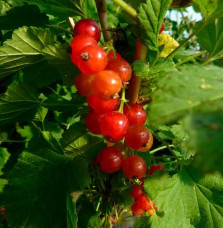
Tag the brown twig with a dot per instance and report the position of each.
(101, 7)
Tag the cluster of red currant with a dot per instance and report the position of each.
(102, 77)
(142, 202)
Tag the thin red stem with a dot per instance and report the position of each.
(135, 82)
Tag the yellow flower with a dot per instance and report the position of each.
(169, 44)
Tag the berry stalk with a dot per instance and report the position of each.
(131, 11)
(102, 8)
(135, 82)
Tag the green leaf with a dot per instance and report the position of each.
(4, 7)
(24, 49)
(4, 156)
(61, 9)
(19, 103)
(144, 70)
(150, 16)
(36, 74)
(59, 58)
(71, 215)
(40, 183)
(87, 215)
(77, 141)
(41, 114)
(211, 39)
(211, 9)
(183, 90)
(31, 16)
(188, 198)
(141, 68)
(205, 137)
(135, 3)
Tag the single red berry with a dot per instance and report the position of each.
(92, 122)
(144, 203)
(162, 28)
(114, 125)
(154, 168)
(136, 210)
(136, 191)
(136, 136)
(134, 167)
(148, 145)
(106, 84)
(87, 27)
(121, 67)
(135, 113)
(103, 106)
(92, 59)
(78, 43)
(83, 84)
(110, 160)
(112, 56)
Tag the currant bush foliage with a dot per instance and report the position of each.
(47, 172)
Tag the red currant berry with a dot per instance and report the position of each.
(78, 43)
(144, 203)
(106, 84)
(102, 106)
(136, 210)
(92, 122)
(134, 167)
(136, 192)
(136, 136)
(83, 84)
(154, 168)
(121, 67)
(162, 28)
(114, 125)
(112, 56)
(150, 212)
(135, 114)
(92, 59)
(87, 27)
(110, 160)
(148, 145)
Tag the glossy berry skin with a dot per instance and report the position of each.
(134, 167)
(136, 192)
(83, 84)
(162, 28)
(77, 44)
(103, 106)
(106, 84)
(144, 203)
(111, 55)
(114, 126)
(121, 67)
(92, 59)
(110, 160)
(135, 113)
(136, 136)
(87, 27)
(136, 210)
(154, 168)
(92, 122)
(148, 145)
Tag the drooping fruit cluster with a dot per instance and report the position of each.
(102, 78)
(142, 202)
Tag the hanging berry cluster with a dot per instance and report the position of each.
(103, 75)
